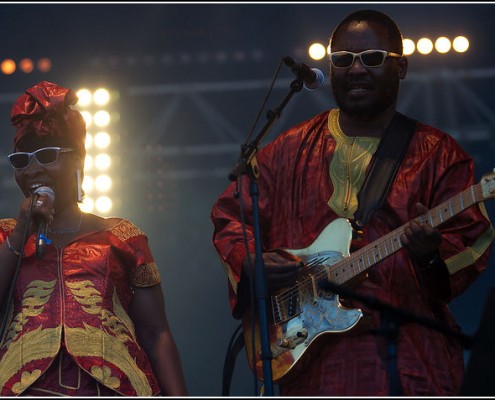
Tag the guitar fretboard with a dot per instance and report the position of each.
(362, 259)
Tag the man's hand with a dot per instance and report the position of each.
(421, 241)
(281, 268)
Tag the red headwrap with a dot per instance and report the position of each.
(45, 109)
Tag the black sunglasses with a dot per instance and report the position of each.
(44, 156)
(368, 58)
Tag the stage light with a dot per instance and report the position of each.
(44, 64)
(88, 184)
(85, 97)
(102, 161)
(460, 44)
(26, 65)
(102, 140)
(101, 118)
(424, 46)
(98, 157)
(103, 183)
(89, 141)
(88, 162)
(88, 118)
(442, 45)
(101, 97)
(103, 204)
(8, 66)
(409, 47)
(87, 205)
(317, 51)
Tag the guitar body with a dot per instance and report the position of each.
(300, 316)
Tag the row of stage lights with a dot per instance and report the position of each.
(26, 65)
(424, 46)
(316, 51)
(97, 183)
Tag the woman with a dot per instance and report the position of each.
(84, 313)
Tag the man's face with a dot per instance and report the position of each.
(359, 90)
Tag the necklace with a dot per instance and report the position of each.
(67, 230)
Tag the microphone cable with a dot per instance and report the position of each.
(6, 303)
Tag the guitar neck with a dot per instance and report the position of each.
(364, 258)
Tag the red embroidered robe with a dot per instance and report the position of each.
(296, 186)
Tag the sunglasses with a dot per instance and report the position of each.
(368, 58)
(44, 156)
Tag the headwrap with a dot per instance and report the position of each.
(45, 109)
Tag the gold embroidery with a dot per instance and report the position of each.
(105, 375)
(85, 294)
(145, 275)
(125, 229)
(27, 378)
(471, 254)
(81, 343)
(351, 157)
(8, 224)
(34, 345)
(124, 317)
(35, 297)
(90, 341)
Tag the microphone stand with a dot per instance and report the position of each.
(391, 319)
(247, 164)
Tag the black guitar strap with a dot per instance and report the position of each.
(384, 166)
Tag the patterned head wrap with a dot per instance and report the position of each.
(45, 110)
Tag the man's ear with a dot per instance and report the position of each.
(402, 63)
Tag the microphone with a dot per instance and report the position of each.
(41, 239)
(312, 77)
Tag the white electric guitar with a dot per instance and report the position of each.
(302, 313)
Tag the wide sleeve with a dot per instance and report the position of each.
(142, 267)
(468, 237)
(232, 217)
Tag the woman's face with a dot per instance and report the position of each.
(59, 175)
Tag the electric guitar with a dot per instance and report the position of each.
(302, 313)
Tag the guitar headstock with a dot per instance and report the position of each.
(488, 185)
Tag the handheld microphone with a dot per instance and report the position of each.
(41, 238)
(313, 78)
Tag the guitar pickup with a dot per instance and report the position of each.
(290, 342)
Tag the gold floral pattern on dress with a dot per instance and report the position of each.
(31, 346)
(107, 341)
(105, 375)
(35, 297)
(90, 341)
(85, 293)
(27, 378)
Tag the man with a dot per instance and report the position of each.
(310, 176)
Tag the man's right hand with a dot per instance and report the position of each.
(281, 268)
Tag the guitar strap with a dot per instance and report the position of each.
(384, 166)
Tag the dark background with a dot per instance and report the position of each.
(191, 79)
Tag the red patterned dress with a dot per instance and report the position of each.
(68, 331)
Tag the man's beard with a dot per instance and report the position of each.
(364, 110)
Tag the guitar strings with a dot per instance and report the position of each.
(429, 217)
